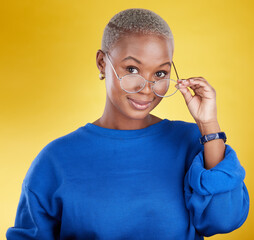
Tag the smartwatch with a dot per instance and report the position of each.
(212, 136)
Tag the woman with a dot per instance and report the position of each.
(130, 174)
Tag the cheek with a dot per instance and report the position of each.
(114, 89)
(156, 101)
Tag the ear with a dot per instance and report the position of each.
(100, 61)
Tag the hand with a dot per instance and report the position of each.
(202, 105)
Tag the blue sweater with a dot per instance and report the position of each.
(150, 183)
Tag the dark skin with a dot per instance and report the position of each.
(152, 51)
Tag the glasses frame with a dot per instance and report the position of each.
(120, 78)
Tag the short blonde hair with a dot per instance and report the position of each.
(134, 20)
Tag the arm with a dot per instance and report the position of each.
(202, 107)
(215, 193)
(39, 209)
(217, 199)
(214, 151)
(32, 220)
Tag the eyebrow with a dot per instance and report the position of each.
(130, 57)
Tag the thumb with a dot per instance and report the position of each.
(185, 92)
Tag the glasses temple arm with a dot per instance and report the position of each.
(112, 66)
(175, 70)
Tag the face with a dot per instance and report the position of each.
(150, 51)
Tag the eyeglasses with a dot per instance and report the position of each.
(133, 83)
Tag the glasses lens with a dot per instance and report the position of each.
(132, 83)
(165, 87)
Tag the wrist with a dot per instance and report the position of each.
(209, 127)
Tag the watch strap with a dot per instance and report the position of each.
(212, 136)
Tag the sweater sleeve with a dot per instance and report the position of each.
(217, 199)
(32, 220)
(37, 215)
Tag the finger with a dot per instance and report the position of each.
(200, 92)
(206, 91)
(195, 79)
(200, 78)
(199, 82)
(192, 79)
(184, 84)
(186, 93)
(193, 87)
(198, 87)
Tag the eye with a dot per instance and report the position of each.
(161, 75)
(129, 69)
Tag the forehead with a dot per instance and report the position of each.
(144, 47)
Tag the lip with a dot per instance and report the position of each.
(140, 102)
(138, 106)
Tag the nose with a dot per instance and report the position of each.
(147, 88)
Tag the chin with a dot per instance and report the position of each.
(139, 114)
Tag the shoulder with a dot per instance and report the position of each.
(189, 140)
(188, 130)
(47, 166)
(59, 146)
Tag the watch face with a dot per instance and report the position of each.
(212, 136)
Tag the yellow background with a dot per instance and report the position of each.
(50, 84)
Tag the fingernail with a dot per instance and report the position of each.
(180, 84)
